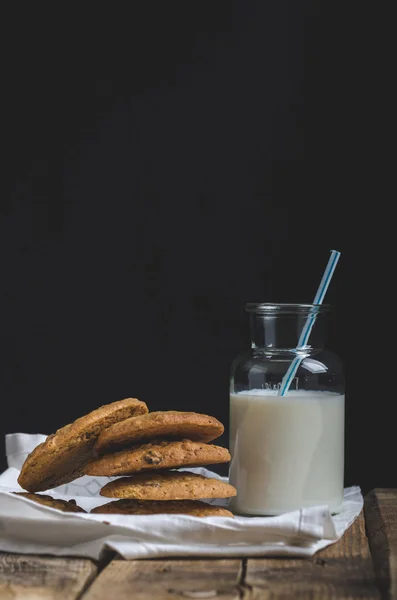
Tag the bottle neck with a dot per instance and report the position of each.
(282, 332)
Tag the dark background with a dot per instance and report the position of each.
(165, 166)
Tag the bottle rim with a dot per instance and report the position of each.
(272, 308)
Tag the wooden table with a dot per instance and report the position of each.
(356, 567)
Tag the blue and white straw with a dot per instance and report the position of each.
(304, 336)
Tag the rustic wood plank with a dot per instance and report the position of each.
(25, 576)
(381, 520)
(167, 580)
(343, 570)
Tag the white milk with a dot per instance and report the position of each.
(287, 452)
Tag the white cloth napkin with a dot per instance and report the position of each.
(28, 527)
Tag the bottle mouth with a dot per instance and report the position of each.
(269, 308)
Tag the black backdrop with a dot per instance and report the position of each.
(163, 168)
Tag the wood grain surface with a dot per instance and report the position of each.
(343, 570)
(23, 576)
(167, 580)
(381, 522)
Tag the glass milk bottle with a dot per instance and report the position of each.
(287, 451)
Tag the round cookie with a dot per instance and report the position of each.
(63, 505)
(64, 454)
(167, 485)
(164, 425)
(194, 508)
(161, 455)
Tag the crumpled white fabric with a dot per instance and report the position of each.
(28, 527)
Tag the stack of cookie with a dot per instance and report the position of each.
(123, 438)
(147, 448)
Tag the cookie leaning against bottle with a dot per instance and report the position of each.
(164, 425)
(167, 485)
(194, 508)
(159, 455)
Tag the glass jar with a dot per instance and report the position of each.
(287, 451)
